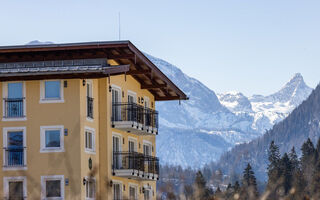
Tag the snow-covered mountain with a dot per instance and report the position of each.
(199, 130)
(268, 110)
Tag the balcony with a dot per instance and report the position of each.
(13, 107)
(135, 165)
(90, 107)
(14, 157)
(134, 118)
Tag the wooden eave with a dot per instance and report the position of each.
(122, 52)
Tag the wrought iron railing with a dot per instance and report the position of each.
(14, 156)
(13, 107)
(152, 164)
(151, 118)
(135, 161)
(135, 113)
(90, 107)
(127, 112)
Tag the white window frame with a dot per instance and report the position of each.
(114, 134)
(5, 144)
(5, 95)
(121, 187)
(115, 87)
(95, 188)
(43, 148)
(147, 142)
(43, 187)
(147, 99)
(118, 135)
(89, 82)
(42, 93)
(135, 140)
(93, 133)
(150, 189)
(6, 181)
(132, 93)
(136, 188)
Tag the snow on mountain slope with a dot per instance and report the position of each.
(235, 101)
(199, 130)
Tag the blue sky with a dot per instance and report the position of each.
(249, 46)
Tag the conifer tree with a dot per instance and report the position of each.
(317, 150)
(308, 163)
(202, 192)
(315, 186)
(286, 173)
(273, 167)
(295, 164)
(298, 182)
(249, 184)
(236, 187)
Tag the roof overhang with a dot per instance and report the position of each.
(129, 60)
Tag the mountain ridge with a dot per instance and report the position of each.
(207, 117)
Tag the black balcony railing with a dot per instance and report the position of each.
(152, 164)
(151, 118)
(127, 112)
(14, 156)
(90, 107)
(135, 161)
(134, 113)
(13, 107)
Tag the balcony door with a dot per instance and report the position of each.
(15, 150)
(89, 99)
(14, 100)
(117, 191)
(132, 146)
(131, 107)
(116, 106)
(132, 159)
(116, 142)
(147, 149)
(147, 111)
(147, 194)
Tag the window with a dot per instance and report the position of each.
(147, 146)
(132, 145)
(52, 187)
(89, 140)
(116, 148)
(51, 91)
(133, 192)
(15, 90)
(52, 139)
(14, 144)
(132, 97)
(116, 103)
(90, 189)
(13, 101)
(117, 191)
(89, 100)
(15, 187)
(147, 193)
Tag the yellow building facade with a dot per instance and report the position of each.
(79, 121)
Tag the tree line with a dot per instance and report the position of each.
(289, 177)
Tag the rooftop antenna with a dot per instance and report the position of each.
(119, 27)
